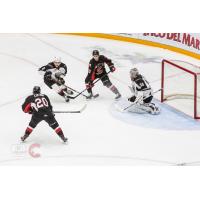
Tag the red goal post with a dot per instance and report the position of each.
(178, 82)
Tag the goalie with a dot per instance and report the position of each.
(141, 101)
(54, 73)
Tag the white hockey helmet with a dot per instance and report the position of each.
(57, 59)
(134, 72)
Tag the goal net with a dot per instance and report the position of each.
(181, 86)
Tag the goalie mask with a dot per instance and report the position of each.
(133, 73)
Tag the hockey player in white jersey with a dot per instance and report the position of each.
(142, 95)
(141, 100)
(54, 73)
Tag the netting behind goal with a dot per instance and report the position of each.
(181, 87)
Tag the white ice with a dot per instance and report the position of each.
(100, 135)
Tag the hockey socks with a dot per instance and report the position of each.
(28, 131)
(59, 132)
(115, 91)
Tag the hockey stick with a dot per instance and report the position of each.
(73, 111)
(139, 99)
(80, 93)
(75, 91)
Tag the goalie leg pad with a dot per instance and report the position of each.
(148, 100)
(151, 108)
(137, 109)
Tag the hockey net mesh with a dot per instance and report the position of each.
(180, 89)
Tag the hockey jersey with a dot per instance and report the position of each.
(140, 84)
(98, 67)
(50, 68)
(38, 104)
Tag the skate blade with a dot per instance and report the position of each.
(66, 143)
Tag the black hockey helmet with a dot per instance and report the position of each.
(95, 52)
(36, 90)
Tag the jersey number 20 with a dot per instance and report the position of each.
(41, 102)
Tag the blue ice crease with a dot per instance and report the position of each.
(169, 119)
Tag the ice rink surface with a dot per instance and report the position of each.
(100, 135)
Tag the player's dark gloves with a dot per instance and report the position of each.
(90, 85)
(112, 69)
(30, 111)
(61, 81)
(48, 75)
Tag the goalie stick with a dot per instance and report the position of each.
(73, 111)
(139, 99)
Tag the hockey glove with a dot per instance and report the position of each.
(90, 85)
(30, 112)
(59, 75)
(48, 75)
(61, 81)
(112, 69)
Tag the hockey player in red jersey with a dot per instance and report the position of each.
(97, 70)
(41, 109)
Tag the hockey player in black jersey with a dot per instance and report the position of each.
(142, 93)
(54, 73)
(41, 109)
(97, 70)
